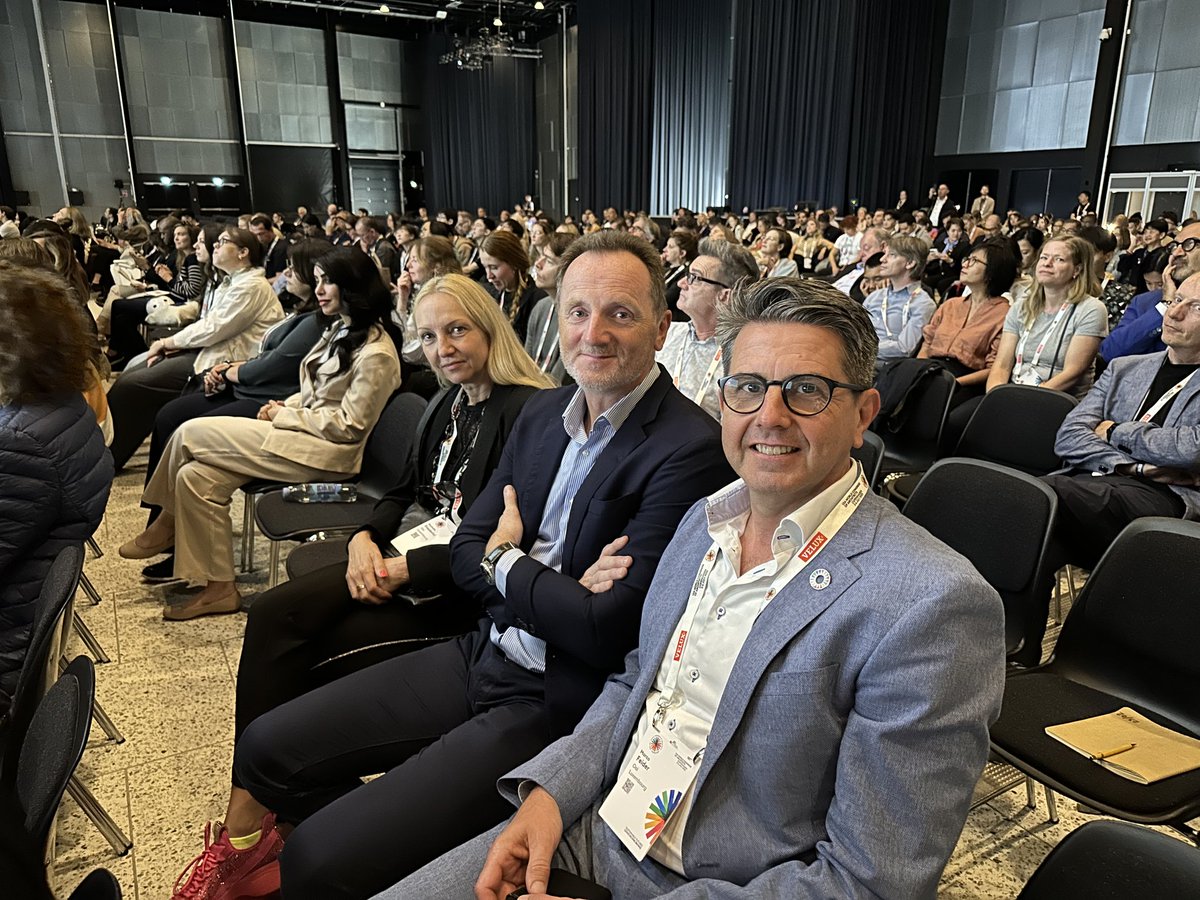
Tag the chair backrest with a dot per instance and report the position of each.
(1135, 627)
(870, 454)
(1000, 519)
(1015, 425)
(53, 746)
(100, 884)
(387, 454)
(1115, 861)
(59, 586)
(918, 443)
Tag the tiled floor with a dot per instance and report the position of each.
(170, 689)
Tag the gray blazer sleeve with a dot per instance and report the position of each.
(1077, 444)
(1175, 447)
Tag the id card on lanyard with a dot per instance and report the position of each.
(650, 789)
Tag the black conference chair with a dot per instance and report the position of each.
(1130, 641)
(44, 637)
(100, 884)
(52, 747)
(1001, 520)
(915, 446)
(870, 454)
(386, 456)
(1014, 425)
(313, 555)
(1108, 860)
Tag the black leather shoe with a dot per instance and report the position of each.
(160, 572)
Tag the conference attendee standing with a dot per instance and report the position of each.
(559, 548)
(983, 205)
(942, 207)
(1084, 206)
(783, 699)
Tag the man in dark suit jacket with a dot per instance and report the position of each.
(560, 548)
(274, 247)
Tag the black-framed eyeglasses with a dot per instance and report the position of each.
(692, 278)
(1188, 245)
(804, 395)
(222, 241)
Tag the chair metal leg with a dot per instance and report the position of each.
(90, 589)
(89, 640)
(94, 547)
(1030, 793)
(274, 563)
(107, 725)
(99, 815)
(248, 533)
(1051, 806)
(1071, 583)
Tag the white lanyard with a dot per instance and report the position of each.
(821, 536)
(1037, 354)
(544, 363)
(1166, 398)
(448, 442)
(903, 312)
(708, 375)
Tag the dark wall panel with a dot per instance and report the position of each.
(309, 178)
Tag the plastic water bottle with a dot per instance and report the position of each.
(320, 492)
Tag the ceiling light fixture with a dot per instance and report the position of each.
(499, 21)
(539, 5)
(440, 14)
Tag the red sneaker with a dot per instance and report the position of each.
(224, 873)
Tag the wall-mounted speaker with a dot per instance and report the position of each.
(74, 197)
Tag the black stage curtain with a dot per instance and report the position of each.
(309, 177)
(692, 50)
(481, 132)
(792, 96)
(615, 103)
(898, 56)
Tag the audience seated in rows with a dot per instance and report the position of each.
(316, 434)
(238, 308)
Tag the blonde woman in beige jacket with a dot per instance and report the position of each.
(317, 434)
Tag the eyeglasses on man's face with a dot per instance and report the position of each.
(804, 395)
(693, 277)
(1187, 246)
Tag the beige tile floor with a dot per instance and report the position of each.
(170, 689)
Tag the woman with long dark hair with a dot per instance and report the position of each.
(316, 434)
(506, 266)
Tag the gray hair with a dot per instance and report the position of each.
(914, 250)
(802, 302)
(736, 261)
(612, 241)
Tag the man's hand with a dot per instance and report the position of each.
(1168, 288)
(521, 854)
(1168, 475)
(213, 379)
(609, 568)
(1101, 430)
(510, 527)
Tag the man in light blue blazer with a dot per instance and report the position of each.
(1131, 448)
(807, 711)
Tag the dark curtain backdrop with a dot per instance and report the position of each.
(481, 132)
(692, 55)
(616, 60)
(898, 56)
(823, 101)
(792, 96)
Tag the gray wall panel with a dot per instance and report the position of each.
(1181, 26)
(1147, 27)
(1173, 106)
(1159, 101)
(33, 169)
(1018, 46)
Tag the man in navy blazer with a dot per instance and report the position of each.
(559, 548)
(807, 711)
(1131, 448)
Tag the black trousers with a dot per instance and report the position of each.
(309, 632)
(444, 723)
(126, 316)
(1092, 511)
(138, 394)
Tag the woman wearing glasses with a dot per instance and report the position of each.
(350, 615)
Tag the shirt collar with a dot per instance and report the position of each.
(729, 508)
(692, 334)
(576, 412)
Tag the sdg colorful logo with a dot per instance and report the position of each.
(660, 810)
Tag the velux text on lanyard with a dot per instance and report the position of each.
(1166, 398)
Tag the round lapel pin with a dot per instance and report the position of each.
(819, 580)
